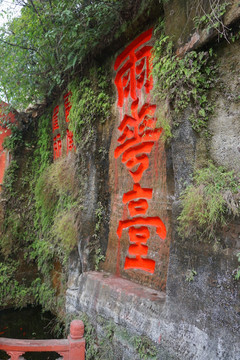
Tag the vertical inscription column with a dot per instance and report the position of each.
(67, 105)
(136, 149)
(57, 142)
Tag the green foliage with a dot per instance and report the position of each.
(10, 233)
(164, 122)
(10, 177)
(44, 294)
(236, 273)
(190, 274)
(14, 140)
(99, 215)
(90, 102)
(145, 348)
(43, 152)
(65, 230)
(209, 202)
(57, 209)
(11, 290)
(44, 45)
(212, 19)
(98, 258)
(184, 81)
(41, 216)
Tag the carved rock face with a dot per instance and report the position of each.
(139, 237)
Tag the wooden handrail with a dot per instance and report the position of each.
(72, 348)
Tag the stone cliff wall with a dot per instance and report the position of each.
(144, 291)
(195, 313)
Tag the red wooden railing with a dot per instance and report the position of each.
(72, 348)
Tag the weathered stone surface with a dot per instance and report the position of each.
(183, 153)
(195, 319)
(135, 310)
(182, 325)
(180, 25)
(126, 303)
(224, 125)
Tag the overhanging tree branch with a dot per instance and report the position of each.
(19, 46)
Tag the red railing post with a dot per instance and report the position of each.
(72, 348)
(15, 355)
(76, 341)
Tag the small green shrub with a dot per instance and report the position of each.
(190, 274)
(183, 81)
(10, 178)
(209, 202)
(15, 139)
(11, 291)
(10, 232)
(90, 102)
(236, 272)
(145, 348)
(212, 19)
(65, 230)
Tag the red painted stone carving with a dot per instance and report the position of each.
(133, 68)
(5, 119)
(67, 105)
(70, 143)
(138, 134)
(57, 142)
(57, 146)
(55, 124)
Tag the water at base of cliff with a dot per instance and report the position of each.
(28, 323)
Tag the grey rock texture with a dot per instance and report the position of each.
(224, 125)
(192, 320)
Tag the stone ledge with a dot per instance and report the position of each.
(131, 305)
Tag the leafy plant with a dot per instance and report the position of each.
(10, 177)
(98, 258)
(183, 81)
(90, 102)
(44, 46)
(190, 274)
(209, 203)
(14, 139)
(145, 348)
(213, 18)
(11, 290)
(236, 273)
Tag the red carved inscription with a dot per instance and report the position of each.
(67, 105)
(57, 147)
(70, 144)
(133, 68)
(138, 133)
(57, 142)
(55, 124)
